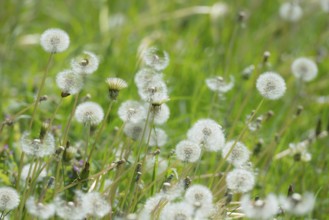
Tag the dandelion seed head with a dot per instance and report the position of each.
(38, 209)
(208, 134)
(198, 196)
(158, 137)
(145, 76)
(155, 58)
(188, 151)
(86, 63)
(177, 211)
(153, 91)
(71, 210)
(9, 198)
(240, 180)
(25, 172)
(161, 114)
(238, 155)
(69, 82)
(304, 69)
(98, 206)
(38, 147)
(132, 111)
(154, 202)
(260, 209)
(54, 40)
(162, 164)
(89, 113)
(271, 85)
(134, 130)
(298, 204)
(218, 84)
(291, 12)
(324, 5)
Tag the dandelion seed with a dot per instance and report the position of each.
(291, 12)
(38, 147)
(86, 63)
(26, 169)
(177, 211)
(158, 137)
(115, 85)
(54, 40)
(238, 155)
(198, 196)
(132, 111)
(298, 204)
(97, 205)
(260, 209)
(89, 113)
(218, 84)
(155, 58)
(240, 180)
(9, 198)
(160, 113)
(38, 209)
(188, 151)
(304, 69)
(271, 85)
(69, 82)
(208, 134)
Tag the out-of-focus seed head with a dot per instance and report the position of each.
(237, 155)
(54, 40)
(39, 209)
(304, 69)
(290, 11)
(9, 199)
(86, 63)
(240, 180)
(38, 147)
(69, 82)
(132, 111)
(260, 209)
(155, 58)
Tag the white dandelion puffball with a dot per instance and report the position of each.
(26, 169)
(238, 155)
(188, 151)
(132, 111)
(271, 85)
(89, 113)
(69, 82)
(71, 210)
(154, 91)
(38, 147)
(218, 84)
(54, 40)
(240, 180)
(304, 69)
(291, 12)
(146, 75)
(97, 205)
(158, 138)
(298, 204)
(160, 114)
(9, 198)
(135, 130)
(152, 203)
(260, 209)
(198, 196)
(324, 5)
(86, 63)
(38, 209)
(155, 58)
(178, 211)
(208, 134)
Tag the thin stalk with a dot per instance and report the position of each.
(36, 103)
(68, 125)
(99, 132)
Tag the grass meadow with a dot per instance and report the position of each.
(228, 43)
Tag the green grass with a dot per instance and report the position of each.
(199, 48)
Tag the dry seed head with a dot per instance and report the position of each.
(89, 113)
(38, 147)
(260, 209)
(38, 209)
(237, 155)
(155, 58)
(188, 151)
(304, 69)
(290, 11)
(132, 111)
(240, 180)
(69, 82)
(298, 204)
(271, 85)
(9, 199)
(86, 63)
(54, 40)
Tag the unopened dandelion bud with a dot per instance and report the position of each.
(257, 149)
(266, 56)
(277, 138)
(187, 182)
(157, 152)
(290, 190)
(318, 127)
(138, 176)
(43, 98)
(300, 109)
(241, 16)
(50, 181)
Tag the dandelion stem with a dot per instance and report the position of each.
(67, 127)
